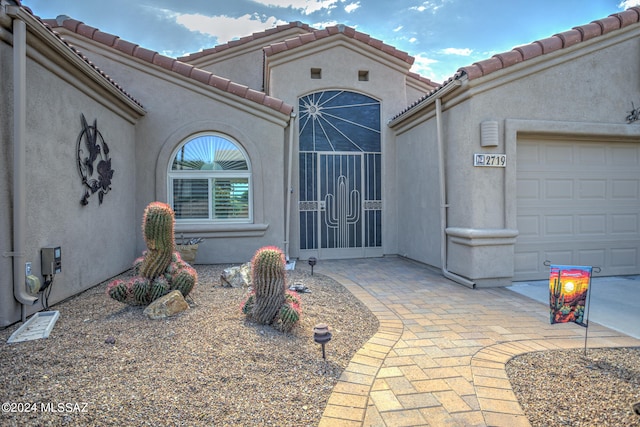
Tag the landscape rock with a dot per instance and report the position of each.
(166, 306)
(236, 277)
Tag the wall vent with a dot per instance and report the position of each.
(489, 136)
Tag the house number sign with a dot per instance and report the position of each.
(490, 160)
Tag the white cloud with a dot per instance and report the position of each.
(322, 25)
(432, 69)
(456, 51)
(626, 4)
(226, 28)
(431, 6)
(398, 28)
(422, 65)
(351, 7)
(306, 6)
(413, 40)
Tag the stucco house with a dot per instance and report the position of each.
(320, 141)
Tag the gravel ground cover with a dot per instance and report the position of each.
(565, 388)
(106, 364)
(204, 367)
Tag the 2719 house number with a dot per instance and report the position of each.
(490, 160)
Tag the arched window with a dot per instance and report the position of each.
(210, 181)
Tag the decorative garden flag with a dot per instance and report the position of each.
(568, 288)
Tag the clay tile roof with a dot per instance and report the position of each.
(556, 42)
(489, 65)
(608, 24)
(423, 79)
(244, 40)
(629, 16)
(293, 43)
(427, 96)
(550, 44)
(569, 38)
(47, 25)
(200, 75)
(537, 48)
(84, 30)
(125, 46)
(336, 30)
(219, 82)
(144, 54)
(530, 50)
(167, 63)
(509, 58)
(590, 31)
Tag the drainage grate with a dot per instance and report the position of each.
(39, 326)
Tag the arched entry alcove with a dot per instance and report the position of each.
(340, 200)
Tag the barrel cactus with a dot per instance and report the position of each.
(268, 276)
(118, 290)
(161, 269)
(269, 303)
(157, 228)
(289, 313)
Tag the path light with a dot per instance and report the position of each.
(321, 335)
(312, 261)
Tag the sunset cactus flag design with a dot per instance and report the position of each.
(568, 288)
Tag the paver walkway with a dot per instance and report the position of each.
(438, 358)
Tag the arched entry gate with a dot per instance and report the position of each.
(340, 204)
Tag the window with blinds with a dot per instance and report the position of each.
(210, 181)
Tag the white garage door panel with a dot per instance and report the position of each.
(578, 203)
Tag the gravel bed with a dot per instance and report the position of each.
(106, 364)
(206, 366)
(565, 388)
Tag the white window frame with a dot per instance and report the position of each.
(210, 175)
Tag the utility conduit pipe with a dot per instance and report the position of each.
(19, 164)
(443, 200)
(287, 218)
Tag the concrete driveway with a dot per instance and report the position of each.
(615, 301)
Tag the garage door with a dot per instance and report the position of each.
(578, 203)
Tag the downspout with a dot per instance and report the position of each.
(287, 218)
(19, 164)
(443, 202)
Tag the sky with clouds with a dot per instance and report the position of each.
(442, 35)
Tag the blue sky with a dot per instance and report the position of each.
(443, 35)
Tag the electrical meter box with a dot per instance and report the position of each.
(51, 260)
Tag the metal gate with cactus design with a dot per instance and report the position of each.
(340, 201)
(340, 204)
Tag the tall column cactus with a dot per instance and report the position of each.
(268, 276)
(157, 228)
(161, 269)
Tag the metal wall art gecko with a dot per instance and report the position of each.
(634, 114)
(94, 164)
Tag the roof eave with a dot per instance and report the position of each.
(346, 33)
(173, 66)
(68, 54)
(420, 105)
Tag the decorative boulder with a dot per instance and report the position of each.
(236, 277)
(166, 306)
